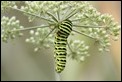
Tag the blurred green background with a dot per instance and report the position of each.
(20, 62)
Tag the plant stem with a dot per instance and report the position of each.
(69, 47)
(29, 28)
(71, 14)
(65, 15)
(53, 17)
(76, 20)
(31, 14)
(58, 13)
(84, 34)
(48, 34)
(88, 26)
(57, 76)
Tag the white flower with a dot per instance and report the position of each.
(31, 32)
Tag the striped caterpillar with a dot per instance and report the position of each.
(64, 30)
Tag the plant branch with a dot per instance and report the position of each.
(88, 26)
(71, 14)
(31, 14)
(53, 17)
(29, 28)
(58, 13)
(57, 76)
(48, 34)
(84, 34)
(69, 47)
(76, 20)
(65, 15)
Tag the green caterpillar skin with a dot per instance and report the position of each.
(64, 30)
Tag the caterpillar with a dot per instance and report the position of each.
(64, 30)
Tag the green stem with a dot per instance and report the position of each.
(58, 13)
(76, 20)
(69, 47)
(29, 28)
(88, 26)
(65, 15)
(71, 14)
(48, 34)
(53, 17)
(31, 14)
(57, 76)
(84, 34)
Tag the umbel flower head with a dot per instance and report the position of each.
(83, 16)
(9, 28)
